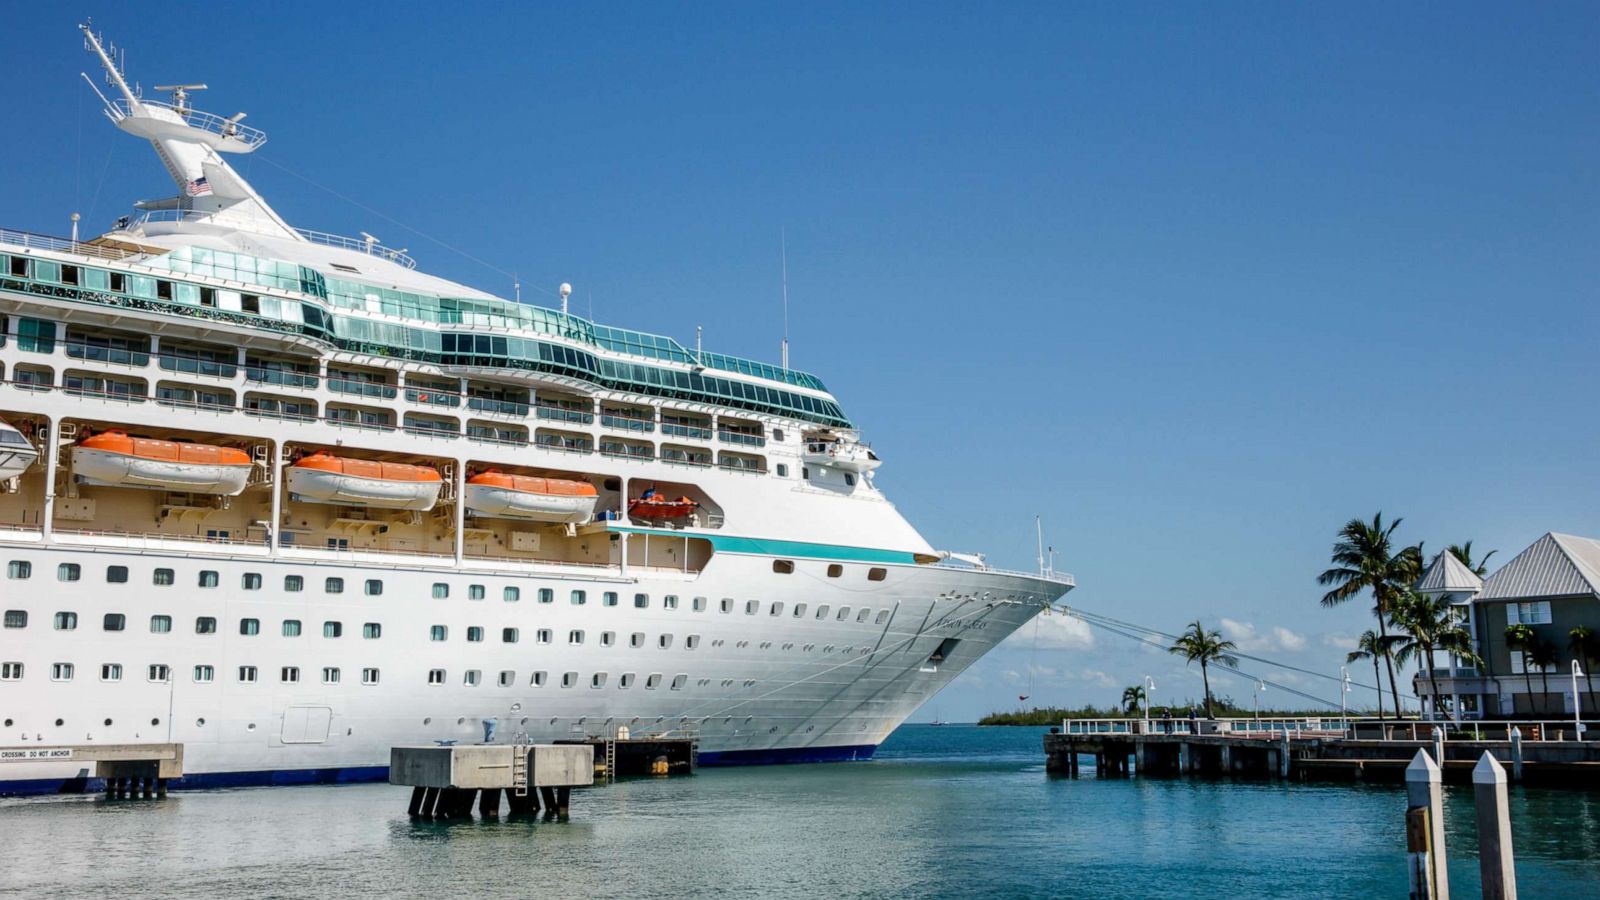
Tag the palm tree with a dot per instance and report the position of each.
(1364, 559)
(1429, 624)
(1585, 646)
(1374, 647)
(1132, 697)
(1463, 552)
(1206, 647)
(1544, 655)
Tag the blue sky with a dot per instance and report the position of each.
(1195, 283)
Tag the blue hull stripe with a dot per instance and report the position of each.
(725, 543)
(357, 774)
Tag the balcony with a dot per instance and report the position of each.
(356, 388)
(627, 423)
(285, 377)
(193, 365)
(427, 396)
(741, 438)
(497, 407)
(114, 355)
(554, 413)
(693, 432)
(563, 444)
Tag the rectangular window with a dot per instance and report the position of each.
(61, 671)
(249, 627)
(641, 601)
(111, 671)
(441, 591)
(609, 598)
(291, 627)
(575, 636)
(204, 674)
(333, 586)
(543, 636)
(160, 624)
(822, 611)
(597, 680)
(475, 592)
(438, 633)
(607, 638)
(472, 677)
(777, 609)
(16, 618)
(208, 579)
(19, 569)
(330, 674)
(162, 577)
(835, 570)
(883, 617)
(114, 622)
(205, 625)
(783, 566)
(250, 581)
(750, 607)
(670, 601)
(507, 678)
(289, 675)
(699, 604)
(1534, 613)
(247, 674)
(691, 642)
(332, 629)
(844, 613)
(158, 673)
(664, 642)
(511, 594)
(371, 631)
(579, 598)
(369, 676)
(68, 572)
(474, 634)
(538, 679)
(116, 574)
(11, 671)
(877, 574)
(653, 681)
(374, 588)
(293, 584)
(727, 604)
(508, 635)
(568, 679)
(678, 681)
(66, 621)
(626, 681)
(636, 639)
(436, 676)
(799, 610)
(863, 615)
(547, 595)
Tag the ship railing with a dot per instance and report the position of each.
(487, 438)
(34, 241)
(341, 385)
(158, 539)
(694, 432)
(562, 414)
(497, 407)
(355, 554)
(212, 123)
(359, 245)
(194, 365)
(431, 430)
(342, 422)
(427, 396)
(117, 356)
(285, 377)
(740, 437)
(626, 423)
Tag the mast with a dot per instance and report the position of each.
(783, 250)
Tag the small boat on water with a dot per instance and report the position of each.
(658, 508)
(497, 495)
(17, 454)
(325, 478)
(114, 459)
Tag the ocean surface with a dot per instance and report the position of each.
(948, 811)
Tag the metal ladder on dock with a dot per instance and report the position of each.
(611, 759)
(519, 771)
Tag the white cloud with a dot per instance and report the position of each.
(1275, 639)
(1054, 632)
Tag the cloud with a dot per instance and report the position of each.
(1054, 632)
(1339, 641)
(1276, 639)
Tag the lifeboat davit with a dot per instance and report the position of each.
(16, 452)
(662, 508)
(325, 478)
(113, 459)
(502, 496)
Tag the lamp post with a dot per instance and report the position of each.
(1261, 686)
(1577, 703)
(1149, 688)
(1344, 694)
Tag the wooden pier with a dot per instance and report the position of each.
(447, 780)
(131, 771)
(1311, 749)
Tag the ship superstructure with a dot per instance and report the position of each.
(281, 497)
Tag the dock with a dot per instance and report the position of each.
(131, 771)
(1535, 752)
(446, 779)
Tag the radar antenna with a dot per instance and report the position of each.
(180, 95)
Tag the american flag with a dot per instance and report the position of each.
(198, 187)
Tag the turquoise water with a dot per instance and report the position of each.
(942, 812)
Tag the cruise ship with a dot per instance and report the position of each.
(280, 497)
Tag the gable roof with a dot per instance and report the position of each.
(1448, 575)
(1556, 565)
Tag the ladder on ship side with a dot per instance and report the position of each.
(519, 771)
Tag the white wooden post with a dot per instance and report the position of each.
(1496, 861)
(1430, 880)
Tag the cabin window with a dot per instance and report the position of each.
(511, 594)
(849, 480)
(160, 624)
(641, 601)
(289, 675)
(799, 610)
(114, 622)
(691, 642)
(19, 569)
(111, 671)
(441, 591)
(247, 674)
(161, 577)
(664, 641)
(863, 615)
(678, 681)
(699, 604)
(11, 671)
(750, 607)
(783, 470)
(374, 588)
(544, 636)
(579, 598)
(208, 579)
(568, 679)
(670, 601)
(653, 681)
(291, 627)
(438, 633)
(68, 572)
(333, 586)
(835, 570)
(877, 573)
(205, 625)
(508, 635)
(727, 604)
(883, 617)
(636, 639)
(61, 671)
(783, 566)
(369, 676)
(158, 673)
(332, 629)
(844, 613)
(371, 631)
(293, 584)
(575, 636)
(250, 581)
(598, 680)
(609, 598)
(607, 638)
(474, 634)
(538, 679)
(66, 621)
(249, 627)
(475, 592)
(436, 676)
(626, 681)
(777, 609)
(330, 675)
(547, 595)
(204, 674)
(805, 473)
(508, 677)
(116, 574)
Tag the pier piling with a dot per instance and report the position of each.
(1430, 879)
(1495, 857)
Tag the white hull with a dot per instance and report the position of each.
(319, 486)
(101, 467)
(505, 503)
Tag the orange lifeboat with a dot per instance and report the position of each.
(654, 507)
(325, 478)
(497, 495)
(113, 459)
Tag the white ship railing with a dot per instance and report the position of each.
(326, 239)
(204, 121)
(63, 245)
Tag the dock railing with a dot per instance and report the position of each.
(1419, 730)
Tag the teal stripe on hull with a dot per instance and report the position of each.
(723, 543)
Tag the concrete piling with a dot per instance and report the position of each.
(1495, 858)
(1516, 754)
(1438, 744)
(1430, 878)
(414, 809)
(489, 802)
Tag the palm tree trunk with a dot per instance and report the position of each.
(1383, 632)
(1377, 679)
(1205, 678)
(1432, 679)
(1544, 676)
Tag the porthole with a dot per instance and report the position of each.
(772, 730)
(554, 719)
(60, 722)
(108, 723)
(523, 721)
(428, 720)
(250, 727)
(461, 720)
(199, 723)
(9, 723)
(155, 721)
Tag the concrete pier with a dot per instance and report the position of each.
(131, 771)
(445, 780)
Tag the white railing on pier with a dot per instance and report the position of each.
(1419, 730)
